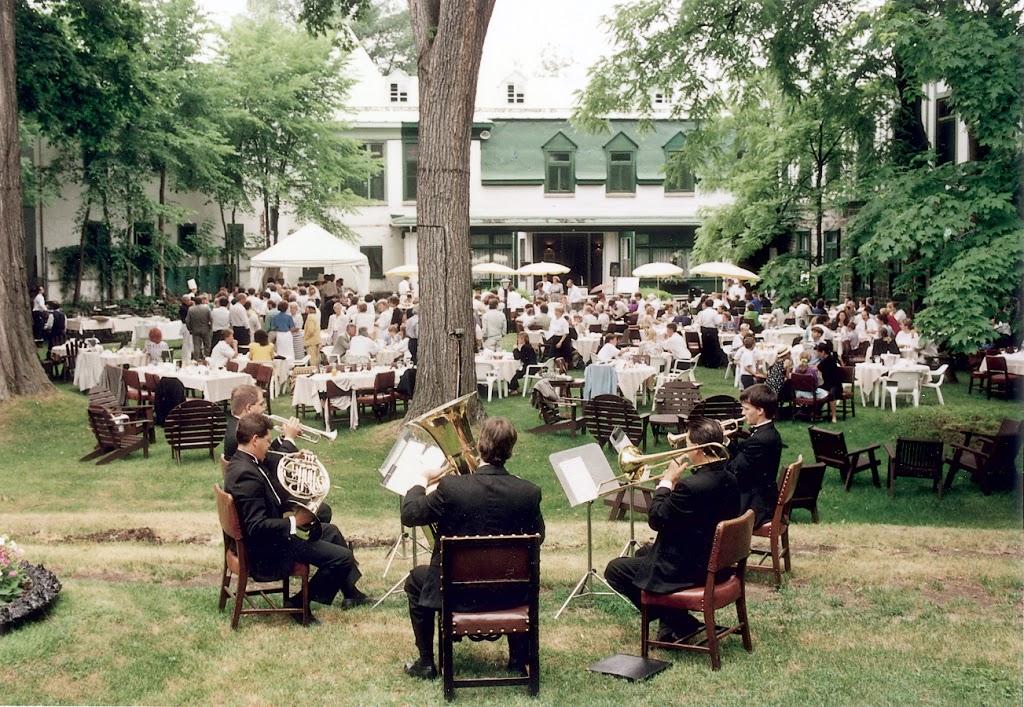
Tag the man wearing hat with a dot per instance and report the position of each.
(311, 334)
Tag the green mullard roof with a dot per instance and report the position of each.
(514, 154)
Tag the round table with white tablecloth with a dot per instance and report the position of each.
(171, 330)
(90, 363)
(587, 346)
(869, 374)
(308, 388)
(1014, 363)
(782, 335)
(631, 377)
(216, 385)
(505, 365)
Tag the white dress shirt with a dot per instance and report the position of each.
(676, 345)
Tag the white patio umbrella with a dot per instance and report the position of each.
(542, 268)
(410, 269)
(657, 271)
(493, 269)
(725, 270)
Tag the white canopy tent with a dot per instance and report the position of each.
(313, 247)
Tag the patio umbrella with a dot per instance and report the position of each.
(725, 270)
(410, 269)
(657, 271)
(493, 269)
(543, 268)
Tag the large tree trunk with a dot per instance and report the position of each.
(449, 38)
(20, 372)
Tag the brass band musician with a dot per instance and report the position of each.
(684, 511)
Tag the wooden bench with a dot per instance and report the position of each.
(195, 424)
(140, 416)
(113, 438)
(603, 413)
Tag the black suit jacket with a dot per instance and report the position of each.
(526, 355)
(259, 509)
(685, 519)
(488, 502)
(755, 462)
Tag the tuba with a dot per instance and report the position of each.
(306, 482)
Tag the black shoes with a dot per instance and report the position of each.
(296, 603)
(359, 600)
(421, 669)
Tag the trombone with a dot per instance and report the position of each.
(633, 462)
(729, 428)
(310, 434)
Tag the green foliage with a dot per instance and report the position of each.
(385, 32)
(12, 575)
(65, 259)
(786, 275)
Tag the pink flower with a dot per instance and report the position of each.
(12, 573)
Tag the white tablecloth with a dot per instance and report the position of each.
(89, 367)
(587, 346)
(782, 335)
(171, 330)
(506, 367)
(308, 388)
(631, 377)
(216, 385)
(869, 374)
(1014, 363)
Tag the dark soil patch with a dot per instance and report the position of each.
(357, 542)
(119, 535)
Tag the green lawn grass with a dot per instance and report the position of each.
(898, 600)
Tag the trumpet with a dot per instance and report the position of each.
(310, 434)
(729, 428)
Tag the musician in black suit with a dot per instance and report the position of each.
(275, 542)
(488, 502)
(247, 399)
(685, 511)
(755, 461)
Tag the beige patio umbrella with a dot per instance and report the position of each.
(657, 271)
(409, 269)
(724, 270)
(493, 269)
(542, 268)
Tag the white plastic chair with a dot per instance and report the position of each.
(903, 383)
(486, 375)
(935, 380)
(537, 372)
(687, 367)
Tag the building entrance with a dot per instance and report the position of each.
(582, 253)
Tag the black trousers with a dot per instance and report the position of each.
(414, 345)
(423, 619)
(242, 335)
(39, 324)
(621, 574)
(336, 566)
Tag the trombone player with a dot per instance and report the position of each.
(684, 511)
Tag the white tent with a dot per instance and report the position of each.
(313, 247)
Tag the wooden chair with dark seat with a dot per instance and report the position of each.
(812, 406)
(114, 437)
(603, 413)
(808, 486)
(729, 551)
(236, 563)
(195, 424)
(334, 393)
(999, 378)
(264, 378)
(848, 377)
(136, 389)
(560, 416)
(380, 400)
(917, 459)
(988, 457)
(722, 407)
(674, 402)
(71, 348)
(473, 571)
(977, 375)
(830, 450)
(231, 366)
(140, 417)
(859, 354)
(151, 381)
(777, 529)
(693, 342)
(595, 329)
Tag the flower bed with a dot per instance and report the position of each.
(26, 591)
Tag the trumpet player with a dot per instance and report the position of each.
(248, 400)
(274, 542)
(755, 461)
(684, 511)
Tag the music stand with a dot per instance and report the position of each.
(400, 471)
(582, 471)
(620, 441)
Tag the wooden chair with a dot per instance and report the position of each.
(986, 456)
(569, 384)
(807, 383)
(559, 417)
(71, 347)
(113, 439)
(916, 458)
(231, 366)
(236, 563)
(730, 551)
(296, 371)
(603, 413)
(195, 424)
(473, 569)
(859, 354)
(151, 381)
(673, 404)
(999, 378)
(264, 378)
(848, 376)
(830, 450)
(722, 407)
(136, 389)
(140, 417)
(977, 375)
(808, 486)
(333, 392)
(693, 342)
(380, 400)
(777, 529)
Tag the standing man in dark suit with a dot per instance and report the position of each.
(199, 322)
(275, 542)
(755, 462)
(685, 511)
(488, 502)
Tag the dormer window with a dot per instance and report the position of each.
(398, 93)
(620, 153)
(515, 93)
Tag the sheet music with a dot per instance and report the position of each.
(579, 486)
(406, 461)
(582, 471)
